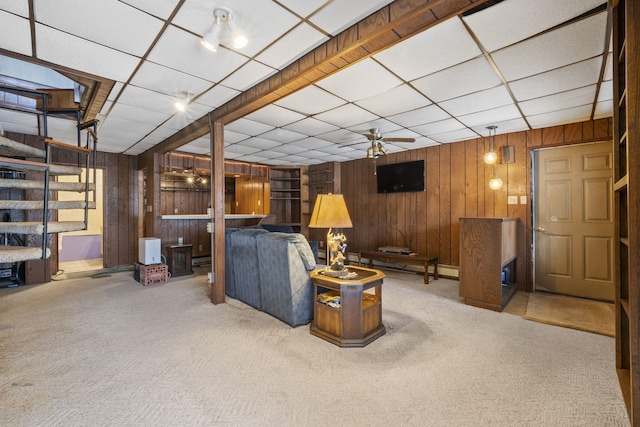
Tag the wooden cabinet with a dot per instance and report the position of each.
(289, 196)
(488, 247)
(626, 76)
(179, 259)
(356, 319)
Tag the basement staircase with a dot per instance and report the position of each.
(30, 171)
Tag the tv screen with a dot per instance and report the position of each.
(401, 177)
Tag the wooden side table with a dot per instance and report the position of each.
(358, 319)
(179, 259)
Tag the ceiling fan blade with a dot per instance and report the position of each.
(399, 139)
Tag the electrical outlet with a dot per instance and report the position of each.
(512, 200)
(523, 200)
(180, 240)
(210, 278)
(200, 247)
(175, 211)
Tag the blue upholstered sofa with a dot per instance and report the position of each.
(270, 271)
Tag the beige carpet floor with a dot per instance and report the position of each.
(110, 352)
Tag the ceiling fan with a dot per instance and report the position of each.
(377, 149)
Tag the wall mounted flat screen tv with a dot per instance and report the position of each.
(401, 177)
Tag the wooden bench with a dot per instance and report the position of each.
(394, 258)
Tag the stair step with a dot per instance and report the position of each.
(21, 253)
(38, 228)
(18, 148)
(39, 204)
(25, 184)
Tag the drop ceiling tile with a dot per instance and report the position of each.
(562, 79)
(260, 143)
(231, 137)
(311, 143)
(180, 120)
(248, 127)
(489, 117)
(310, 127)
(606, 91)
(248, 75)
(144, 105)
(457, 135)
(339, 150)
(182, 51)
(15, 34)
(241, 149)
(432, 113)
(282, 135)
(471, 76)
(113, 145)
(289, 149)
(423, 141)
(361, 80)
(559, 101)
(555, 118)
(291, 46)
(303, 8)
(168, 81)
(270, 154)
(505, 126)
(62, 48)
(438, 127)
(161, 9)
(608, 70)
(256, 18)
(511, 21)
(564, 46)
(435, 49)
(117, 87)
(217, 96)
(604, 109)
(340, 136)
(311, 100)
(339, 15)
(189, 148)
(383, 126)
(16, 7)
(113, 28)
(397, 100)
(275, 116)
(479, 101)
(346, 116)
(336, 158)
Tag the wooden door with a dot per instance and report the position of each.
(573, 220)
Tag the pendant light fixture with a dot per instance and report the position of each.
(495, 183)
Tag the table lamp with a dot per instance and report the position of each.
(330, 211)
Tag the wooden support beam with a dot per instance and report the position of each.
(217, 201)
(380, 30)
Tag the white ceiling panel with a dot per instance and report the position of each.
(161, 9)
(291, 46)
(217, 96)
(438, 127)
(506, 126)
(130, 126)
(361, 80)
(570, 115)
(564, 46)
(232, 137)
(113, 28)
(479, 101)
(166, 80)
(383, 125)
(289, 149)
(606, 91)
(182, 51)
(422, 142)
(142, 115)
(432, 113)
(15, 34)
(117, 87)
(310, 100)
(439, 47)
(261, 143)
(604, 109)
(341, 136)
(338, 15)
(241, 149)
(113, 145)
(147, 99)
(468, 77)
(311, 143)
(515, 20)
(560, 80)
(275, 116)
(62, 48)
(303, 8)
(346, 116)
(248, 75)
(394, 101)
(458, 135)
(489, 117)
(282, 135)
(248, 127)
(18, 7)
(311, 127)
(559, 101)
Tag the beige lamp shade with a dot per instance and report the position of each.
(330, 211)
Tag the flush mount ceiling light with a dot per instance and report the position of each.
(183, 100)
(223, 16)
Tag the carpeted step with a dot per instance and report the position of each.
(20, 149)
(21, 253)
(25, 184)
(38, 228)
(39, 204)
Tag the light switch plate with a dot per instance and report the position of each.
(523, 200)
(512, 200)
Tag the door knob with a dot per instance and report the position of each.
(540, 229)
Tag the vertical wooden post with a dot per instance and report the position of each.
(217, 205)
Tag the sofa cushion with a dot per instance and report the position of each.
(244, 257)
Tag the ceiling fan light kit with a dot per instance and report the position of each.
(223, 17)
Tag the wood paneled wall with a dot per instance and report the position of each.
(456, 186)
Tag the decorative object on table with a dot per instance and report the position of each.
(330, 211)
